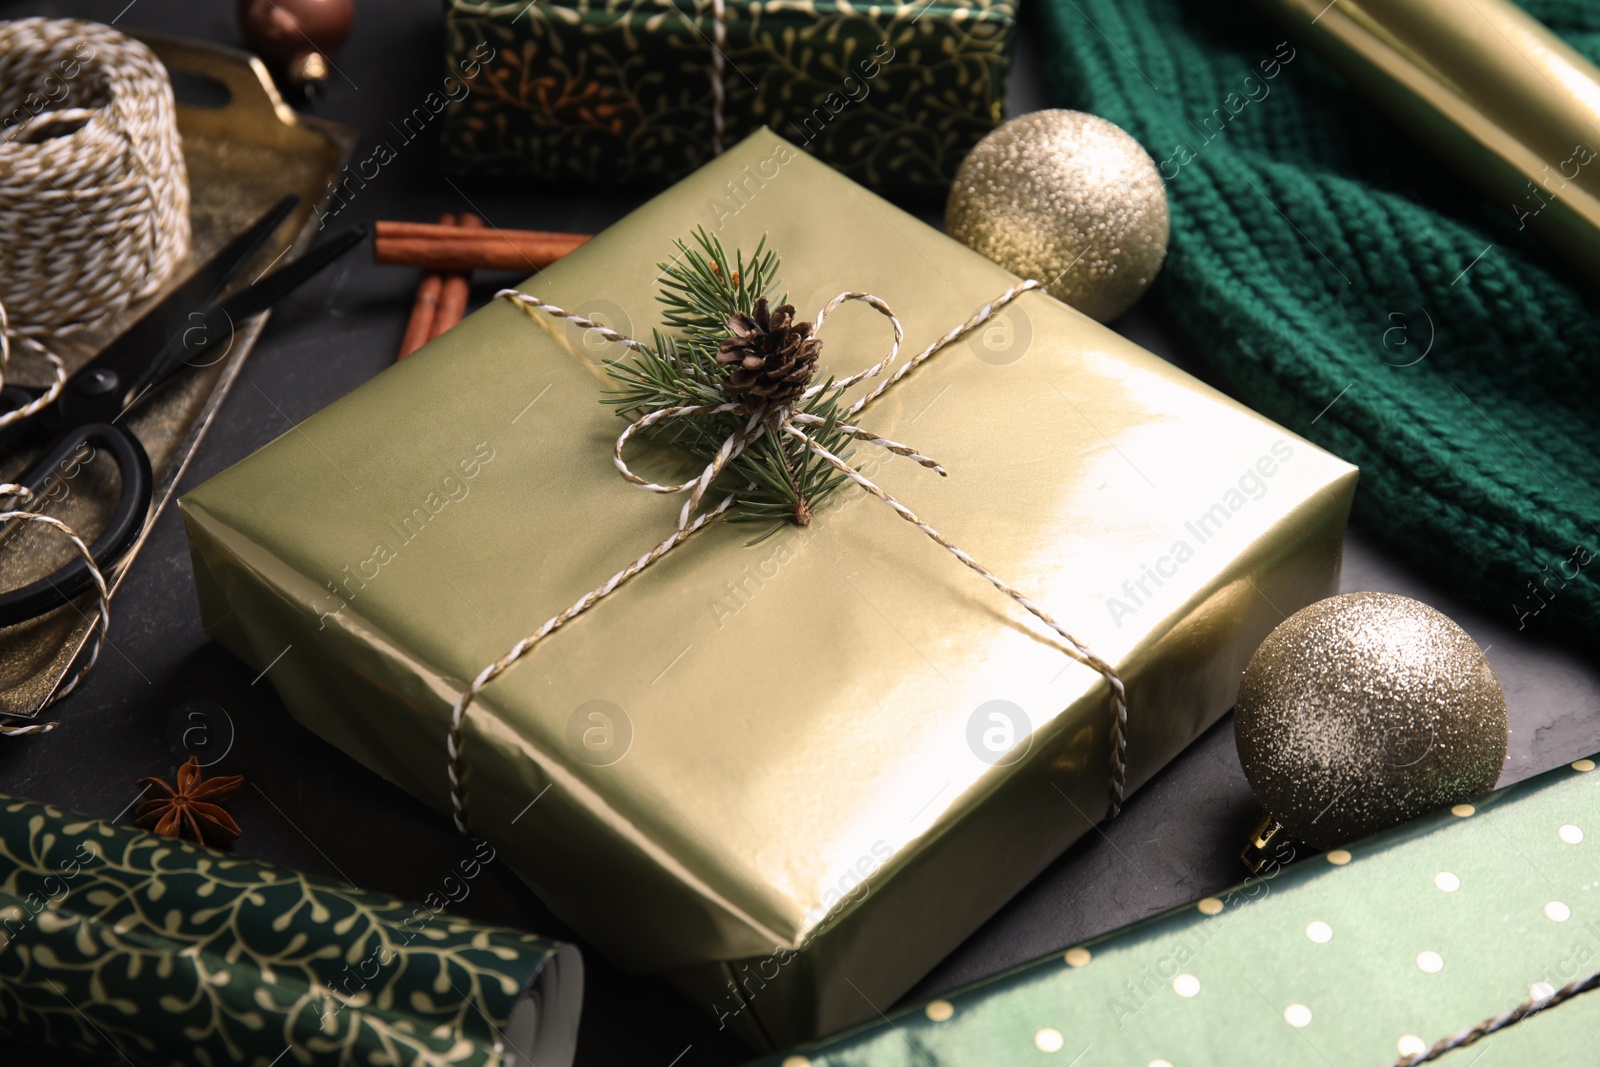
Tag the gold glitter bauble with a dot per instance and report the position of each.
(1069, 199)
(1365, 710)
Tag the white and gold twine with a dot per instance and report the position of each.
(102, 619)
(691, 520)
(1473, 1034)
(94, 215)
(21, 495)
(719, 85)
(94, 196)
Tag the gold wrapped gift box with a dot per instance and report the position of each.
(790, 774)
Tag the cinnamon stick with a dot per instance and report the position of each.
(424, 308)
(457, 288)
(389, 228)
(458, 248)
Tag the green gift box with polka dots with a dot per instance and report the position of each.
(1463, 937)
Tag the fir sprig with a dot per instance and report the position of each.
(702, 288)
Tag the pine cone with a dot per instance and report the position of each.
(777, 356)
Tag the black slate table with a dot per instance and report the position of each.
(305, 805)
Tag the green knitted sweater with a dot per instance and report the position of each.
(1338, 278)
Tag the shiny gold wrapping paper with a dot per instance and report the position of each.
(1486, 85)
(799, 708)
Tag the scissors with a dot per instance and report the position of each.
(167, 338)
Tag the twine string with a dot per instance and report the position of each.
(877, 368)
(1473, 1034)
(102, 619)
(458, 804)
(784, 420)
(719, 86)
(1077, 649)
(979, 317)
(803, 418)
(94, 194)
(94, 215)
(58, 372)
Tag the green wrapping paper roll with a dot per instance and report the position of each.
(1370, 954)
(619, 92)
(114, 941)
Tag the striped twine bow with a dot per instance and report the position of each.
(777, 419)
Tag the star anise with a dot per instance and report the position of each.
(776, 356)
(195, 810)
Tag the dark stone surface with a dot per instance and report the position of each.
(307, 806)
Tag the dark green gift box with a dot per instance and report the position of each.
(620, 91)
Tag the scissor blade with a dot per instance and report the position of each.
(283, 281)
(131, 352)
(212, 330)
(96, 393)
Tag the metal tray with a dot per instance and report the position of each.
(245, 149)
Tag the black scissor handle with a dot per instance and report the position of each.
(127, 520)
(13, 397)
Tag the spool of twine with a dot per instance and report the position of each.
(94, 215)
(94, 196)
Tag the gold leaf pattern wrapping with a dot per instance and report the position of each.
(177, 954)
(618, 92)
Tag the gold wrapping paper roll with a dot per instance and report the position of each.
(785, 752)
(1487, 86)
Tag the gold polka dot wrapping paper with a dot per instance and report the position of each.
(1361, 955)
